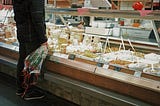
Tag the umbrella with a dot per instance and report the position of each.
(33, 64)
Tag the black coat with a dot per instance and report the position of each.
(30, 20)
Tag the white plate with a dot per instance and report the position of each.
(155, 71)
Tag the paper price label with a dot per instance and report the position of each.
(137, 73)
(105, 66)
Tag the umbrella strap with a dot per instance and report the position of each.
(26, 89)
(27, 83)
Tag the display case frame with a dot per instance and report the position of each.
(97, 75)
(145, 89)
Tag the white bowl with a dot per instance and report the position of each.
(155, 71)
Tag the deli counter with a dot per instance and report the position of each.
(124, 66)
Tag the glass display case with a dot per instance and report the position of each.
(106, 41)
(113, 56)
(104, 58)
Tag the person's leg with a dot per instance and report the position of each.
(20, 66)
(37, 13)
(20, 18)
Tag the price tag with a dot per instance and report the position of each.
(105, 66)
(117, 68)
(99, 64)
(61, 55)
(16, 48)
(56, 60)
(137, 73)
(71, 56)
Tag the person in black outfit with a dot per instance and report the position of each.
(31, 31)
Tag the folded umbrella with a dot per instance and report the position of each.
(32, 68)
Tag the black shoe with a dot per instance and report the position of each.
(20, 92)
(34, 95)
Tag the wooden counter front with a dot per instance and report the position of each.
(140, 88)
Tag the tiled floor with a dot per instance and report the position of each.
(9, 98)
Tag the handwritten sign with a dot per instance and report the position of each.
(144, 12)
(81, 11)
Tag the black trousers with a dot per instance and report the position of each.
(30, 22)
